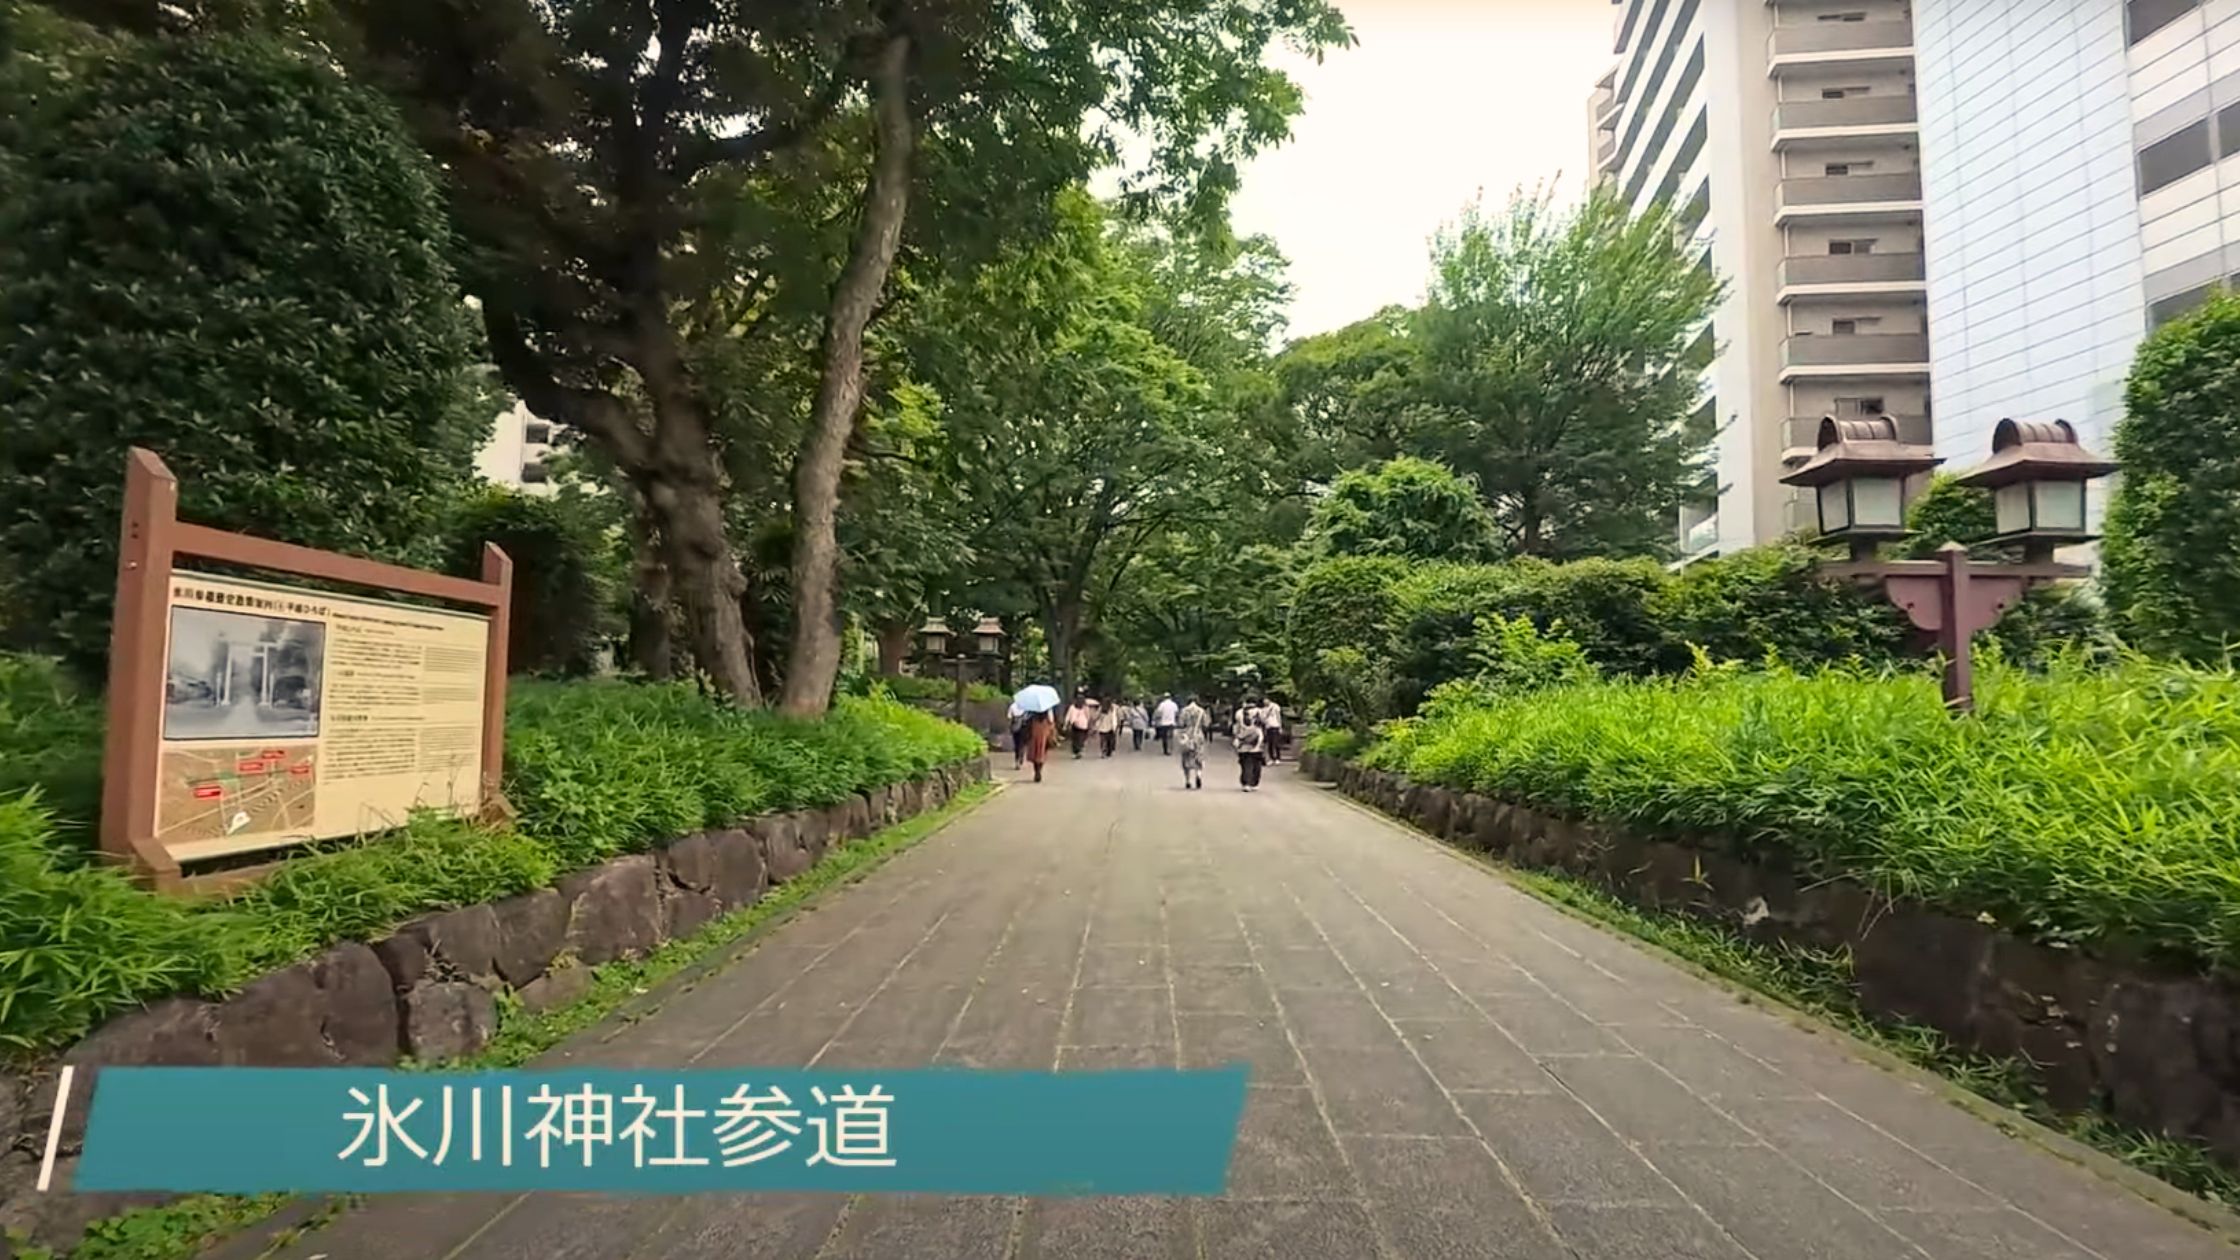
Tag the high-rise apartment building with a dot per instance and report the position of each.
(2082, 187)
(1785, 134)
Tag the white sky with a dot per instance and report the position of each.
(1440, 99)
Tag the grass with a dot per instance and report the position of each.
(594, 769)
(181, 1230)
(2082, 806)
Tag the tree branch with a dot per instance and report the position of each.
(750, 147)
(595, 412)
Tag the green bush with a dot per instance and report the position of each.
(2172, 554)
(2083, 806)
(224, 251)
(592, 769)
(1768, 602)
(944, 690)
(1948, 512)
(565, 575)
(50, 740)
(1343, 603)
(1407, 507)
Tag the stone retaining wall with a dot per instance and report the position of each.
(430, 990)
(2157, 1047)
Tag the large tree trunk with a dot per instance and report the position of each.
(651, 650)
(814, 660)
(1061, 622)
(707, 584)
(894, 646)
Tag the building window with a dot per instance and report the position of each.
(534, 473)
(1843, 17)
(536, 431)
(2148, 16)
(1847, 168)
(1858, 408)
(1854, 326)
(2176, 304)
(2174, 157)
(2228, 131)
(1851, 247)
(1844, 93)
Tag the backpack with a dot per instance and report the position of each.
(1250, 738)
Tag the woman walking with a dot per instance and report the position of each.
(1108, 727)
(1190, 738)
(1039, 733)
(1251, 740)
(1080, 716)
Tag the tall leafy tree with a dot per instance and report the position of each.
(1089, 387)
(1351, 392)
(589, 142)
(1407, 507)
(1554, 367)
(220, 249)
(2173, 539)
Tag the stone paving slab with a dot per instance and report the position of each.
(1442, 1067)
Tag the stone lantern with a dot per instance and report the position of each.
(2036, 475)
(1862, 479)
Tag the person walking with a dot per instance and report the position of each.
(1139, 724)
(1250, 736)
(1040, 733)
(1079, 718)
(1108, 727)
(1019, 719)
(1271, 717)
(1163, 718)
(1189, 734)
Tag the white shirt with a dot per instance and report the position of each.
(1271, 716)
(1165, 715)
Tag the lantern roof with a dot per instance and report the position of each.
(1861, 448)
(2036, 450)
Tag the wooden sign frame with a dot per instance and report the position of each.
(152, 539)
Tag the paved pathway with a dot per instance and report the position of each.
(1442, 1067)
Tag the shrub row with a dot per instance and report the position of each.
(593, 770)
(1630, 617)
(2083, 806)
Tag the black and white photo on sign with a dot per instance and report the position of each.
(238, 675)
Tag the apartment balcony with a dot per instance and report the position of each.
(1854, 355)
(1883, 44)
(1834, 198)
(1801, 435)
(1815, 123)
(1605, 151)
(1604, 106)
(1850, 275)
(1700, 537)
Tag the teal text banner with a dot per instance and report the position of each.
(251, 1130)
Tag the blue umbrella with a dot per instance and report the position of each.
(1036, 699)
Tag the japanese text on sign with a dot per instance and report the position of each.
(845, 1127)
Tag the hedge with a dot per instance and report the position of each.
(1631, 617)
(2083, 805)
(592, 769)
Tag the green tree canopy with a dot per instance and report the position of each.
(2172, 553)
(1554, 367)
(1089, 388)
(1407, 507)
(595, 150)
(223, 251)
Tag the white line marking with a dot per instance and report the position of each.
(54, 1126)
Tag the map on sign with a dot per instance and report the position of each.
(214, 794)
